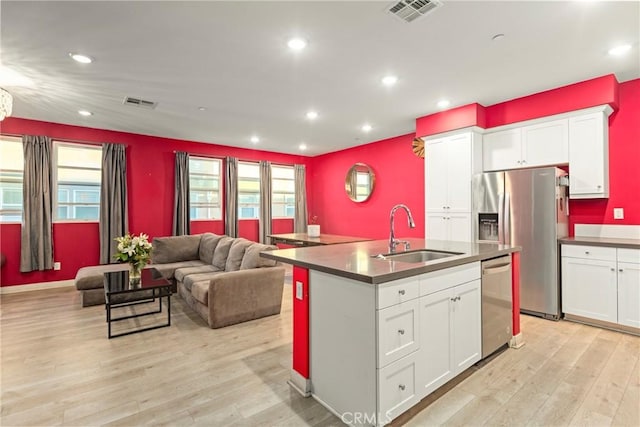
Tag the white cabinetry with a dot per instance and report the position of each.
(541, 144)
(426, 330)
(450, 162)
(589, 156)
(601, 283)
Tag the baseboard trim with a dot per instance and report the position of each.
(36, 286)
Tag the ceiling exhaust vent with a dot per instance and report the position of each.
(410, 10)
(136, 102)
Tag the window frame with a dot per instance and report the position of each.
(273, 192)
(255, 206)
(219, 190)
(20, 181)
(72, 205)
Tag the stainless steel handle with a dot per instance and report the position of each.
(524, 161)
(613, 269)
(519, 162)
(401, 387)
(620, 270)
(401, 291)
(501, 218)
(586, 252)
(496, 269)
(507, 219)
(401, 331)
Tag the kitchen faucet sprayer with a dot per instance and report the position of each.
(393, 242)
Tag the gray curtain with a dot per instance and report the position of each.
(300, 218)
(265, 202)
(36, 249)
(113, 200)
(231, 197)
(181, 217)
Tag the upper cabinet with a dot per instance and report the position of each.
(541, 144)
(589, 156)
(579, 139)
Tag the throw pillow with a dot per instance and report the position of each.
(221, 252)
(252, 258)
(175, 249)
(208, 244)
(236, 253)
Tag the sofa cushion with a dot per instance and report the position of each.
(175, 248)
(182, 272)
(200, 291)
(221, 252)
(168, 270)
(252, 258)
(190, 279)
(208, 244)
(236, 253)
(93, 277)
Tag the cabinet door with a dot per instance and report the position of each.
(437, 226)
(467, 326)
(435, 337)
(502, 150)
(459, 225)
(545, 144)
(436, 176)
(397, 388)
(459, 173)
(397, 331)
(629, 294)
(589, 156)
(589, 288)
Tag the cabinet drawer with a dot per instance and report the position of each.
(397, 388)
(629, 255)
(398, 331)
(397, 292)
(447, 278)
(589, 252)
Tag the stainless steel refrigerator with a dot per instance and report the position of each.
(527, 208)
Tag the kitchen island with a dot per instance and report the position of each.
(372, 336)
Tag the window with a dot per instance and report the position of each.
(77, 180)
(204, 188)
(11, 169)
(248, 190)
(283, 192)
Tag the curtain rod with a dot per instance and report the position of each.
(73, 141)
(208, 156)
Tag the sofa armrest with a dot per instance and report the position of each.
(242, 295)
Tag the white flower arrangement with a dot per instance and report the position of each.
(136, 250)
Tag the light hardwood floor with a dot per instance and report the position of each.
(58, 368)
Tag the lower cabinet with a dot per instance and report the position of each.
(601, 283)
(450, 334)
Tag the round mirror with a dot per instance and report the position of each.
(359, 182)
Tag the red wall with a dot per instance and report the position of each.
(150, 166)
(399, 179)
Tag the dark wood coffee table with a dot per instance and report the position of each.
(119, 292)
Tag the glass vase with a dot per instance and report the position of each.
(135, 272)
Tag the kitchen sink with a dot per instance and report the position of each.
(417, 256)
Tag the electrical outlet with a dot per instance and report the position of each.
(299, 290)
(57, 266)
(618, 213)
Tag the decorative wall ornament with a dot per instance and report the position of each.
(6, 104)
(418, 147)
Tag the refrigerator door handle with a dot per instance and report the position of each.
(507, 219)
(501, 218)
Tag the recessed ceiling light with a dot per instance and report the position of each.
(389, 80)
(443, 103)
(83, 59)
(302, 146)
(312, 115)
(366, 127)
(297, 43)
(497, 37)
(202, 108)
(255, 139)
(620, 50)
(85, 113)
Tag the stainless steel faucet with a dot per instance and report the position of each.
(393, 242)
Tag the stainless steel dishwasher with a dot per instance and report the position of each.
(496, 304)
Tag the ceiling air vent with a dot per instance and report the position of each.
(136, 102)
(410, 10)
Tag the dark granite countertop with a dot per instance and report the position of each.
(355, 261)
(601, 241)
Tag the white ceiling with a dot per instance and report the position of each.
(231, 57)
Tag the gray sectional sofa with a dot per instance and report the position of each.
(221, 278)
